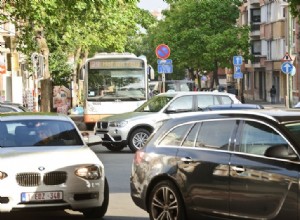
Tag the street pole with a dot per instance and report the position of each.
(289, 77)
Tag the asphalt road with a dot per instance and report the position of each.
(121, 207)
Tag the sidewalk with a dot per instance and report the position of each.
(266, 104)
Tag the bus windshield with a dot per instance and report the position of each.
(116, 84)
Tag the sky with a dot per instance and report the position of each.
(152, 4)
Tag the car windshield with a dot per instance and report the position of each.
(21, 133)
(155, 104)
(294, 128)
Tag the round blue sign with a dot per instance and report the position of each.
(162, 51)
(287, 67)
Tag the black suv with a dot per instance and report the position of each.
(227, 164)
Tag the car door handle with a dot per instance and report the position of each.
(238, 169)
(187, 160)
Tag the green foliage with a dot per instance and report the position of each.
(295, 8)
(202, 35)
(60, 69)
(69, 25)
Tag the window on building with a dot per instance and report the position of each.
(256, 47)
(255, 15)
(269, 50)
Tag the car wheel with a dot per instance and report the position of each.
(114, 148)
(165, 202)
(99, 212)
(138, 139)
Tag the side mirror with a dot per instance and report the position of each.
(170, 109)
(151, 72)
(280, 151)
(85, 136)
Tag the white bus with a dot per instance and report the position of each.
(113, 83)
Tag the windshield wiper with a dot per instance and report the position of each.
(128, 98)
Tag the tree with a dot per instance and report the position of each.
(202, 34)
(74, 27)
(295, 8)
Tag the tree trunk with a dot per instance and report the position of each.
(74, 89)
(46, 84)
(46, 95)
(215, 78)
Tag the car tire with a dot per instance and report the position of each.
(162, 196)
(99, 212)
(114, 148)
(138, 139)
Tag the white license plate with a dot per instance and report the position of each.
(41, 196)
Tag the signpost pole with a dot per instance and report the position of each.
(290, 90)
(163, 52)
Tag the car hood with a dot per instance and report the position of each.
(132, 116)
(51, 158)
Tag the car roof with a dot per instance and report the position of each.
(280, 116)
(10, 104)
(179, 93)
(234, 106)
(7, 116)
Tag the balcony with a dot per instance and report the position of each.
(253, 2)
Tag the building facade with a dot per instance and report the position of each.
(273, 39)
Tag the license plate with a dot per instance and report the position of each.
(41, 196)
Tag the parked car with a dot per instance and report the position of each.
(12, 107)
(233, 107)
(45, 163)
(133, 128)
(224, 164)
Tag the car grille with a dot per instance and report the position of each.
(102, 124)
(34, 179)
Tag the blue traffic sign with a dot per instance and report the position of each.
(165, 68)
(168, 61)
(287, 67)
(162, 51)
(238, 75)
(237, 69)
(237, 60)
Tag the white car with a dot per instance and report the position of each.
(134, 128)
(45, 163)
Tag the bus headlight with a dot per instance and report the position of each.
(118, 124)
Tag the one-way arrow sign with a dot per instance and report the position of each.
(287, 67)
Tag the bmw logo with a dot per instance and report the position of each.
(41, 168)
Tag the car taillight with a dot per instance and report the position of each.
(138, 157)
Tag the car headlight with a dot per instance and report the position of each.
(2, 175)
(117, 123)
(91, 172)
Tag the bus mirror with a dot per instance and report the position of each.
(151, 72)
(81, 75)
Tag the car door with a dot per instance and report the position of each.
(204, 166)
(262, 187)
